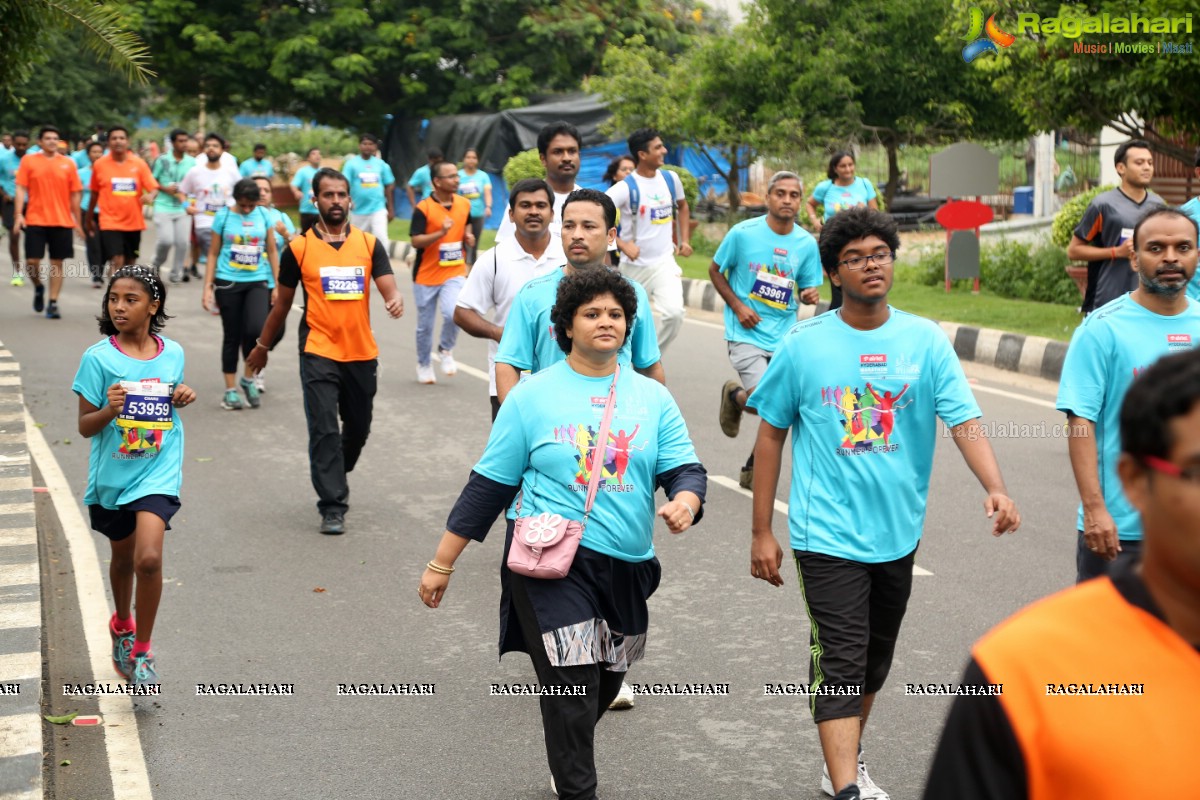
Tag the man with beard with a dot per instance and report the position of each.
(528, 341)
(119, 179)
(336, 263)
(1103, 237)
(501, 272)
(208, 187)
(762, 266)
(558, 145)
(1107, 352)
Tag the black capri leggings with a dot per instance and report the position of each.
(477, 229)
(244, 307)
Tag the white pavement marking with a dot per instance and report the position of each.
(21, 666)
(18, 575)
(469, 370)
(1037, 401)
(780, 506)
(125, 759)
(21, 734)
(705, 324)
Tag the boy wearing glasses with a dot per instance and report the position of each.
(861, 389)
(1112, 346)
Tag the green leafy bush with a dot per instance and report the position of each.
(1013, 270)
(691, 188)
(527, 164)
(1070, 214)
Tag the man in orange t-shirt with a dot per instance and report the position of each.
(441, 268)
(119, 180)
(47, 207)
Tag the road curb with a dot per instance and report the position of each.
(1028, 355)
(20, 600)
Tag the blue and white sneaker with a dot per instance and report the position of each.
(251, 391)
(122, 649)
(143, 673)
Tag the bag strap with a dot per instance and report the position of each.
(635, 200)
(601, 445)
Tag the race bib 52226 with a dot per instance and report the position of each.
(344, 283)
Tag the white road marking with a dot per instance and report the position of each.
(125, 759)
(780, 506)
(705, 324)
(1037, 401)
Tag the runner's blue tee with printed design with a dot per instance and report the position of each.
(243, 245)
(863, 408)
(544, 439)
(302, 180)
(767, 271)
(471, 187)
(1115, 343)
(141, 452)
(838, 198)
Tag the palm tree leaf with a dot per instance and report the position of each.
(105, 36)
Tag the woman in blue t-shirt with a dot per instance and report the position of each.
(238, 283)
(475, 185)
(584, 630)
(841, 190)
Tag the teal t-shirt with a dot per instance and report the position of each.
(544, 439)
(8, 172)
(422, 182)
(1192, 209)
(838, 198)
(368, 182)
(167, 171)
(80, 157)
(863, 408)
(134, 460)
(529, 343)
(302, 180)
(85, 177)
(471, 187)
(767, 272)
(253, 168)
(1114, 344)
(273, 216)
(243, 245)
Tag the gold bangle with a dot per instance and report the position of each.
(439, 569)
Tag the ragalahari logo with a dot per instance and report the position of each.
(978, 45)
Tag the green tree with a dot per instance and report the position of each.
(28, 35)
(1052, 87)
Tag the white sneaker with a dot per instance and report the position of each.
(624, 698)
(425, 374)
(259, 383)
(449, 366)
(867, 788)
(553, 788)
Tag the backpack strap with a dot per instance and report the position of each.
(635, 200)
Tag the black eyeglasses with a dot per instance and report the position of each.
(1190, 474)
(858, 262)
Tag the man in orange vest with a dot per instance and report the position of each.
(439, 231)
(1092, 693)
(335, 263)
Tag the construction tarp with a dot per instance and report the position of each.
(497, 137)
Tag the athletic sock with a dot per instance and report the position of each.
(126, 625)
(141, 648)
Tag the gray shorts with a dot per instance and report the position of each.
(749, 361)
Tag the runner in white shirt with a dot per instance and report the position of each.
(652, 234)
(558, 145)
(500, 273)
(207, 188)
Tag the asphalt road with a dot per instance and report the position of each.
(254, 594)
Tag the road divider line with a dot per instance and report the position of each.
(780, 506)
(126, 762)
(1037, 401)
(704, 323)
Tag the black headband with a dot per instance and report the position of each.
(146, 275)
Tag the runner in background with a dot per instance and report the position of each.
(259, 165)
(371, 184)
(615, 172)
(284, 231)
(302, 189)
(172, 223)
(558, 146)
(421, 178)
(10, 160)
(95, 258)
(475, 185)
(208, 188)
(840, 190)
(119, 180)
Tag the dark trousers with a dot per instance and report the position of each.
(334, 389)
(477, 229)
(1088, 565)
(95, 258)
(568, 722)
(244, 308)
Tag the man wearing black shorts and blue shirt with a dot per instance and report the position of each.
(861, 389)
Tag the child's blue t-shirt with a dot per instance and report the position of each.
(529, 342)
(767, 271)
(863, 408)
(243, 245)
(544, 439)
(838, 198)
(144, 455)
(1112, 347)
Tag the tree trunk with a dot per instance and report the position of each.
(735, 196)
(893, 170)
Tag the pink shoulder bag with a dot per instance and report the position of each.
(544, 545)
